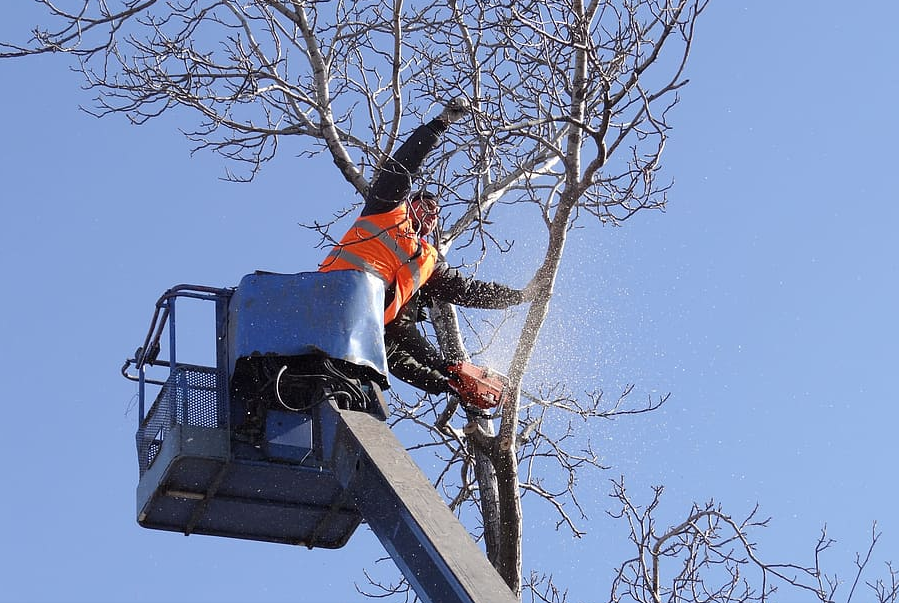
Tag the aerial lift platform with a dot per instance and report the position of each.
(285, 439)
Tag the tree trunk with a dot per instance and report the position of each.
(449, 337)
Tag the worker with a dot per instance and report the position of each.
(389, 240)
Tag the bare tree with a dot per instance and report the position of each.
(709, 556)
(571, 104)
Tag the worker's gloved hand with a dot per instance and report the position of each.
(453, 373)
(455, 110)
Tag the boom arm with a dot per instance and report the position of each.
(424, 538)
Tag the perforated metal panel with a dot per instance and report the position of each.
(191, 396)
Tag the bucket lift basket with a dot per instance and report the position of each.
(239, 449)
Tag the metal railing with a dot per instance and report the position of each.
(190, 394)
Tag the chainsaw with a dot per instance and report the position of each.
(479, 386)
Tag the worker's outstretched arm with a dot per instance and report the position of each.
(449, 285)
(410, 356)
(393, 181)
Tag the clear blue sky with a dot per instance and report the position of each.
(764, 300)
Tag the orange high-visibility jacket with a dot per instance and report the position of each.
(386, 245)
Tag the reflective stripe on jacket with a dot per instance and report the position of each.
(386, 245)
